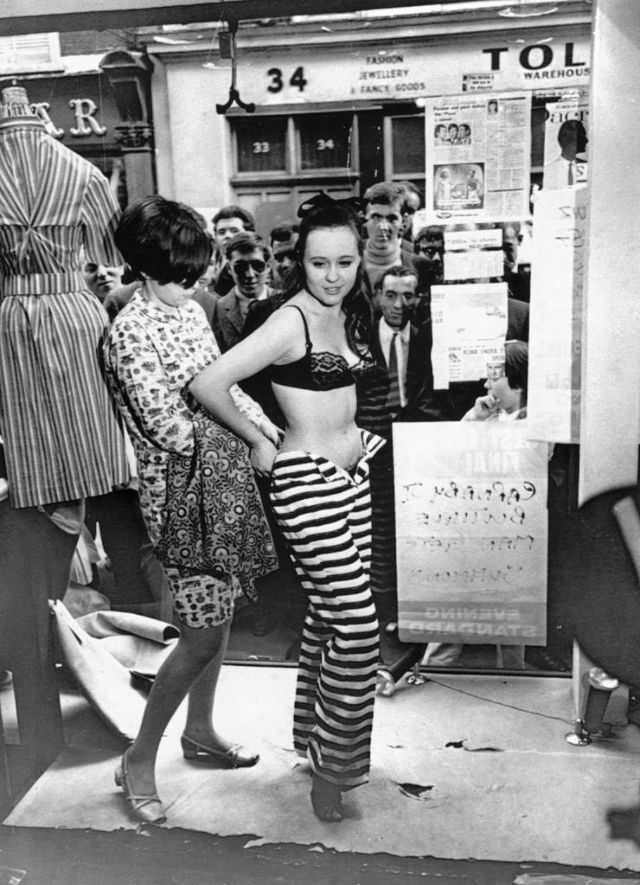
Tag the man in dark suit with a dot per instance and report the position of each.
(248, 258)
(401, 390)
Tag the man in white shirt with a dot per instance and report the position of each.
(570, 168)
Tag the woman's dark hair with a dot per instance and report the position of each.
(356, 305)
(164, 240)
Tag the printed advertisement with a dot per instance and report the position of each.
(477, 157)
(471, 532)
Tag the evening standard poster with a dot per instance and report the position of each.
(471, 532)
(478, 151)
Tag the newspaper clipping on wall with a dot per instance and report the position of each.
(469, 323)
(477, 156)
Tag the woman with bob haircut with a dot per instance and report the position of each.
(313, 349)
(155, 348)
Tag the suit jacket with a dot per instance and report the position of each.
(423, 403)
(228, 322)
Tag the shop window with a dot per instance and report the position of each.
(29, 52)
(306, 145)
(325, 141)
(407, 146)
(261, 144)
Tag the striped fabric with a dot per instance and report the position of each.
(324, 513)
(61, 436)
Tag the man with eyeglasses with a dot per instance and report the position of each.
(247, 258)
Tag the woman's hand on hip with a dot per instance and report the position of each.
(262, 455)
(272, 432)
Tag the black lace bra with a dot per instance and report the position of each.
(320, 370)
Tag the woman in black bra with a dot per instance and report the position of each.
(320, 493)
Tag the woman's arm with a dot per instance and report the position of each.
(212, 387)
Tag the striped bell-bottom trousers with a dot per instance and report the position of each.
(324, 513)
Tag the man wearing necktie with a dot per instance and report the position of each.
(401, 390)
(570, 167)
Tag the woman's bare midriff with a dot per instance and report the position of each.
(321, 422)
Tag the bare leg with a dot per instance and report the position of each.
(199, 724)
(194, 652)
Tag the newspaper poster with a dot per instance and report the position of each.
(469, 324)
(473, 254)
(557, 280)
(471, 532)
(565, 141)
(477, 156)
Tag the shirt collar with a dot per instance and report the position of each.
(387, 333)
(153, 310)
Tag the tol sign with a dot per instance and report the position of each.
(537, 57)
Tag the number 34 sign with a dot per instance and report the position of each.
(279, 80)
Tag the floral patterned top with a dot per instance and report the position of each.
(151, 356)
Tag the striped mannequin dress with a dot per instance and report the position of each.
(62, 438)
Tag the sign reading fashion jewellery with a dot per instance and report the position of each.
(558, 268)
(478, 150)
(471, 532)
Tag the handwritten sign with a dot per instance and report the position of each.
(557, 279)
(471, 532)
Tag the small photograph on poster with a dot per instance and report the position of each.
(458, 186)
(454, 133)
(493, 107)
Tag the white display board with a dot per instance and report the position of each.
(471, 532)
(555, 322)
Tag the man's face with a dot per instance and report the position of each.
(102, 280)
(383, 223)
(283, 259)
(397, 299)
(430, 252)
(227, 228)
(409, 209)
(249, 272)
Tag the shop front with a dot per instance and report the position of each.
(349, 110)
